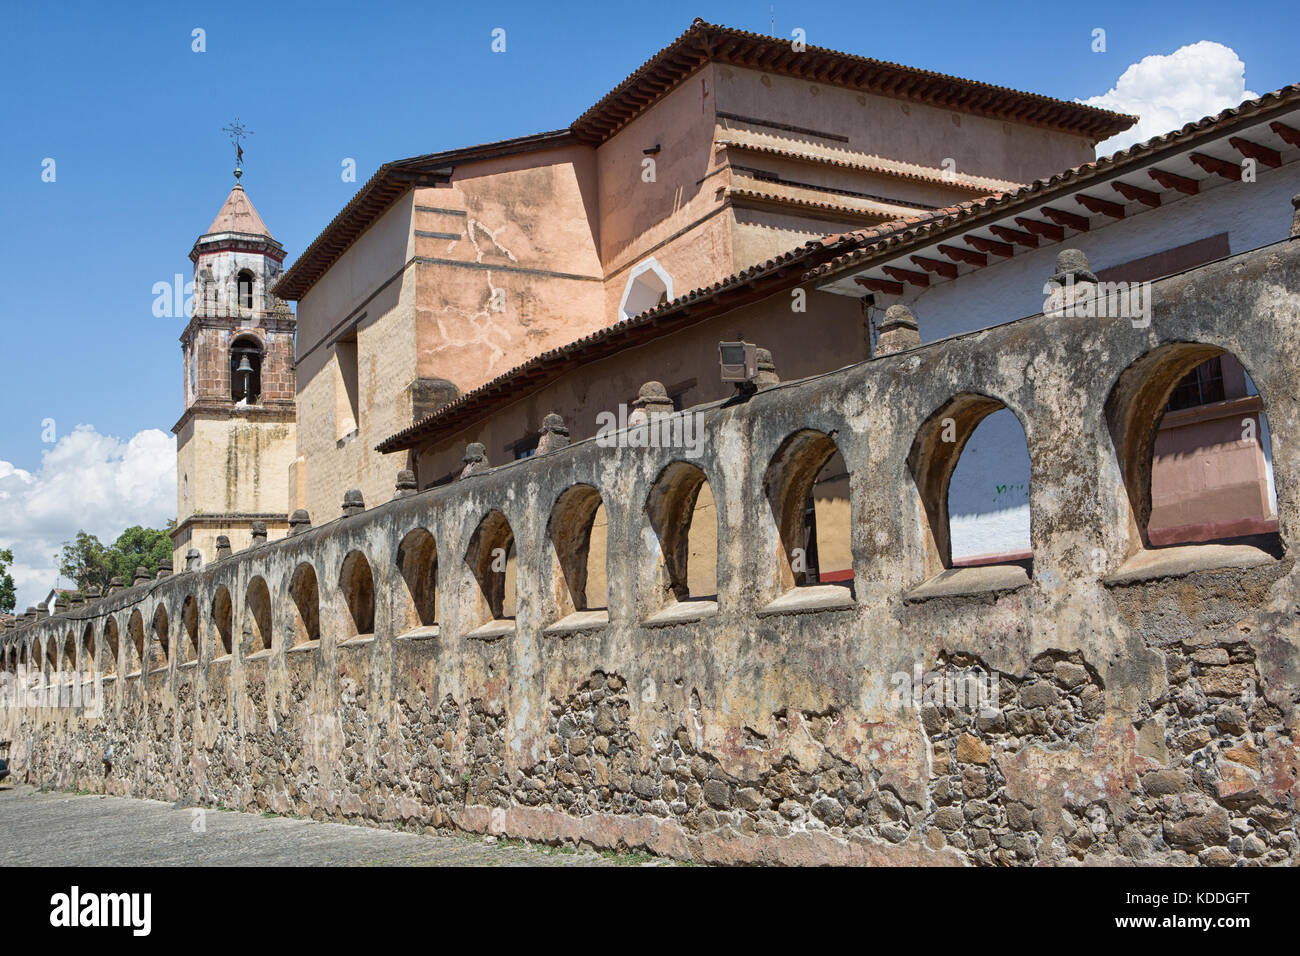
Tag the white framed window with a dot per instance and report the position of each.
(648, 285)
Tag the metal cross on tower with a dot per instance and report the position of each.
(237, 133)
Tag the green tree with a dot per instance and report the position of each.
(138, 547)
(8, 596)
(85, 561)
(90, 564)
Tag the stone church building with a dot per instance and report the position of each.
(967, 534)
(733, 187)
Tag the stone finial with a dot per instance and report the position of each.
(353, 503)
(164, 569)
(115, 584)
(141, 576)
(259, 533)
(554, 434)
(1072, 263)
(94, 592)
(76, 598)
(61, 604)
(299, 521)
(651, 402)
(1295, 216)
(766, 369)
(475, 459)
(223, 546)
(1073, 281)
(898, 331)
(406, 484)
(42, 610)
(193, 559)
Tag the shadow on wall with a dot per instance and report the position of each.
(1212, 469)
(988, 499)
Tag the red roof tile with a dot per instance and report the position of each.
(700, 43)
(825, 256)
(1000, 205)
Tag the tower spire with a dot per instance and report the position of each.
(237, 133)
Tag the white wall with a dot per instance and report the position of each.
(988, 499)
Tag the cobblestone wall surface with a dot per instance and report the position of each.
(1118, 703)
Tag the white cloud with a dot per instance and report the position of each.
(1197, 80)
(89, 482)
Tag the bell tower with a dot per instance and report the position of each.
(237, 438)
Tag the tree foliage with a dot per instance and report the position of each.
(89, 563)
(8, 596)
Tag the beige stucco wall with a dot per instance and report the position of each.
(368, 286)
(231, 464)
(666, 218)
(831, 334)
(893, 129)
(520, 228)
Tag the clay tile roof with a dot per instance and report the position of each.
(694, 306)
(386, 186)
(1000, 205)
(702, 42)
(707, 41)
(238, 215)
(893, 168)
(818, 258)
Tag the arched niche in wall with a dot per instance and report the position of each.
(1194, 450)
(933, 462)
(577, 531)
(357, 582)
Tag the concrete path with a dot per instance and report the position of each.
(62, 829)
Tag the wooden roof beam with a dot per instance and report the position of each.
(937, 266)
(1103, 207)
(1026, 239)
(1134, 194)
(1044, 229)
(1288, 134)
(1269, 157)
(906, 275)
(957, 254)
(1220, 167)
(1002, 249)
(879, 285)
(1188, 187)
(1063, 218)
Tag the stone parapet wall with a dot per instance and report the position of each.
(1145, 704)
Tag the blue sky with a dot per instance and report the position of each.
(132, 118)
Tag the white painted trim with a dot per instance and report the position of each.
(638, 270)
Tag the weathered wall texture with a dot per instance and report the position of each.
(367, 295)
(685, 362)
(1148, 699)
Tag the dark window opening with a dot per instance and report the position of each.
(245, 289)
(1201, 386)
(525, 447)
(811, 575)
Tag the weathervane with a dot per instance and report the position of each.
(237, 133)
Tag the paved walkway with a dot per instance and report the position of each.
(63, 829)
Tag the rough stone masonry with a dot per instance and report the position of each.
(360, 669)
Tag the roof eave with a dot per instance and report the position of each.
(389, 183)
(972, 214)
(696, 306)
